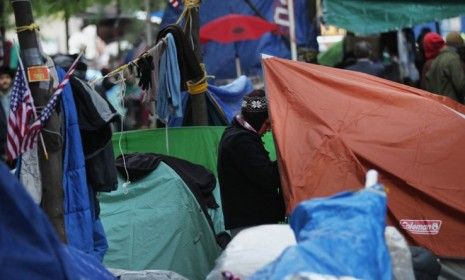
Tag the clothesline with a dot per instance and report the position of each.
(188, 5)
(127, 65)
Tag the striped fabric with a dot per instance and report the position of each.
(22, 130)
(21, 134)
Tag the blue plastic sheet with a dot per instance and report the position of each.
(228, 97)
(339, 236)
(220, 58)
(29, 246)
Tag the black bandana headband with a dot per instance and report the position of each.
(254, 104)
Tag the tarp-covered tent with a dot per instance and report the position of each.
(157, 223)
(376, 16)
(332, 125)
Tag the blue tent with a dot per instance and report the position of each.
(30, 246)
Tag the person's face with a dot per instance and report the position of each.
(5, 82)
(265, 127)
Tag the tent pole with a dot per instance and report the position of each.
(238, 66)
(290, 9)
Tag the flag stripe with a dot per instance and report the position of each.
(19, 138)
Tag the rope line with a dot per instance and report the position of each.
(31, 27)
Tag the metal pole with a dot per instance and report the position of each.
(290, 9)
(238, 66)
(51, 169)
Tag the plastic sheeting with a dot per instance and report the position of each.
(341, 236)
(228, 99)
(30, 248)
(198, 145)
(230, 96)
(159, 225)
(332, 125)
(375, 16)
(251, 249)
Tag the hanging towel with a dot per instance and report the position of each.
(188, 63)
(169, 90)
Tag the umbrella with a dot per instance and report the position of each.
(331, 125)
(234, 28)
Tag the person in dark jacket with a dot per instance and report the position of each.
(446, 75)
(249, 180)
(364, 64)
(432, 45)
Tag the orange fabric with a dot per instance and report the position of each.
(331, 126)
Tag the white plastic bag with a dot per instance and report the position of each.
(401, 258)
(252, 249)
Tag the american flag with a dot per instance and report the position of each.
(174, 3)
(21, 133)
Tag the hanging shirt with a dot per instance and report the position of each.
(94, 116)
(169, 89)
(156, 55)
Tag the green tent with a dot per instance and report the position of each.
(195, 144)
(376, 16)
(158, 225)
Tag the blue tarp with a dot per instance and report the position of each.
(30, 247)
(228, 97)
(340, 236)
(220, 58)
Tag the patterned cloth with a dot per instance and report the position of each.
(21, 135)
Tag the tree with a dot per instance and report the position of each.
(51, 169)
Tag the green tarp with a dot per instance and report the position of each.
(196, 144)
(375, 16)
(158, 225)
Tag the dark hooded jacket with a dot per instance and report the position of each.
(249, 180)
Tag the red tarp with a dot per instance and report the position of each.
(331, 126)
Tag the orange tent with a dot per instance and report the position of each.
(331, 126)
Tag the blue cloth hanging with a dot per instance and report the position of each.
(78, 212)
(228, 97)
(169, 83)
